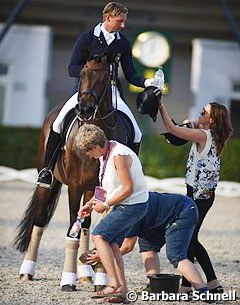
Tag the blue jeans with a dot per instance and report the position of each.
(113, 227)
(179, 233)
(155, 244)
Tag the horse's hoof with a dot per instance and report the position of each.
(85, 280)
(68, 288)
(26, 277)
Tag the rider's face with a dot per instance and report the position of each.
(115, 24)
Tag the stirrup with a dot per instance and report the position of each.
(45, 178)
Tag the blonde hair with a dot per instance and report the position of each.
(114, 9)
(89, 135)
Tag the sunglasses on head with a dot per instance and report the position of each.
(203, 112)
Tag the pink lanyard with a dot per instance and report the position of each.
(105, 159)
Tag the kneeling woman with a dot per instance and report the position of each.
(122, 178)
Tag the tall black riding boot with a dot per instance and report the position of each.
(136, 147)
(45, 177)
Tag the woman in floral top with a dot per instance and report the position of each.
(209, 136)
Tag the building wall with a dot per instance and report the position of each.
(216, 77)
(25, 53)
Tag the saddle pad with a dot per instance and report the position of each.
(124, 132)
(67, 124)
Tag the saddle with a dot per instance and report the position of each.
(124, 131)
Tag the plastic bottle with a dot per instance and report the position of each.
(76, 227)
(159, 79)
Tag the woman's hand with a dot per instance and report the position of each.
(86, 209)
(98, 206)
(92, 258)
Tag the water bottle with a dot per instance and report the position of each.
(76, 227)
(159, 79)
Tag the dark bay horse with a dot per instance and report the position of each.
(73, 168)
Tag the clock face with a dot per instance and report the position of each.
(151, 49)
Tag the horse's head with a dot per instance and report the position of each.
(94, 88)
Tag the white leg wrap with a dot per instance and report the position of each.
(121, 105)
(100, 278)
(27, 267)
(68, 278)
(66, 107)
(85, 270)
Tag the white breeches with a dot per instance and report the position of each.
(71, 103)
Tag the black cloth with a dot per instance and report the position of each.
(196, 249)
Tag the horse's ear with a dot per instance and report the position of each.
(96, 57)
(109, 57)
(105, 59)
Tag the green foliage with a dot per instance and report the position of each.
(230, 163)
(19, 146)
(163, 160)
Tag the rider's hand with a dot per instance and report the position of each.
(148, 82)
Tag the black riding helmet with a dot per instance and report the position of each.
(147, 101)
(174, 140)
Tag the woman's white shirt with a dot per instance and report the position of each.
(111, 182)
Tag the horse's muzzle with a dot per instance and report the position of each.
(84, 112)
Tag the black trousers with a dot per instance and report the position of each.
(196, 249)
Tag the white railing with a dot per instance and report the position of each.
(177, 185)
(173, 185)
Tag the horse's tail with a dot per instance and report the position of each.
(46, 199)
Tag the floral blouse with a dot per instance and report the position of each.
(203, 168)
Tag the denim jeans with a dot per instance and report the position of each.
(179, 233)
(155, 244)
(114, 226)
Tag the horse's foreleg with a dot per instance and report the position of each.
(85, 272)
(27, 269)
(68, 281)
(101, 277)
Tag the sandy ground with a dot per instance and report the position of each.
(220, 234)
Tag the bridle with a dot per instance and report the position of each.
(98, 100)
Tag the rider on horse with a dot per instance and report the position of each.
(103, 38)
